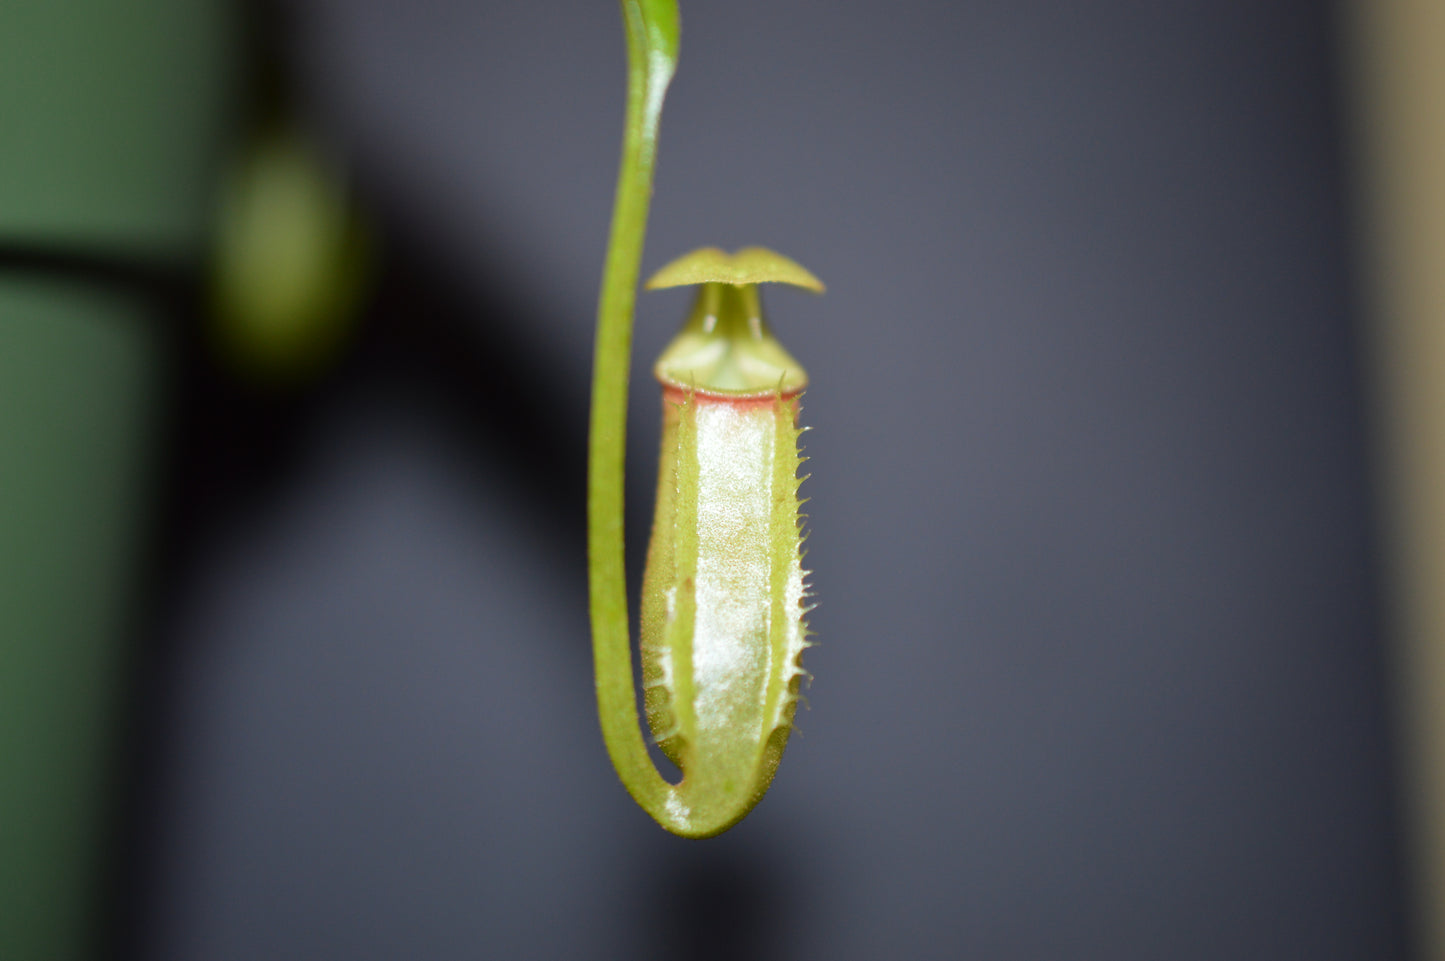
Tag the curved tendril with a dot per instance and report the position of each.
(727, 762)
(652, 36)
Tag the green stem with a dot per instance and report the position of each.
(652, 37)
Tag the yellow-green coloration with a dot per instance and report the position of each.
(290, 261)
(723, 595)
(750, 265)
(726, 346)
(723, 607)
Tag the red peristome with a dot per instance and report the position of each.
(673, 394)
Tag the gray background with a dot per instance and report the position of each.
(1102, 670)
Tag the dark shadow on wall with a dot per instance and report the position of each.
(232, 448)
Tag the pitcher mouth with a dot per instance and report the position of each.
(676, 393)
(726, 348)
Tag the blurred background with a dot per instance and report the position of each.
(1123, 508)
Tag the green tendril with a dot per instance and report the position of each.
(724, 593)
(652, 38)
